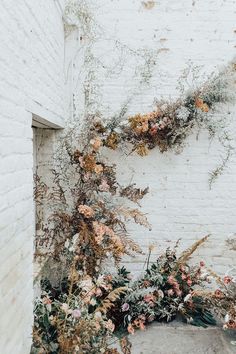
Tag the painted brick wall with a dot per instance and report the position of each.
(168, 36)
(175, 35)
(32, 82)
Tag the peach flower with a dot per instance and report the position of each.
(86, 211)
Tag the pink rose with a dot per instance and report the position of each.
(189, 282)
(125, 307)
(171, 280)
(76, 313)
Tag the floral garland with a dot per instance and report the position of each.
(79, 312)
(170, 123)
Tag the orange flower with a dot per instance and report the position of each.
(199, 103)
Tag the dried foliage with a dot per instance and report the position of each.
(171, 122)
(133, 194)
(85, 313)
(83, 308)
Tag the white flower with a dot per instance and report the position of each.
(86, 284)
(100, 281)
(67, 244)
(187, 298)
(203, 275)
(164, 107)
(93, 302)
(65, 308)
(98, 315)
(227, 318)
(182, 113)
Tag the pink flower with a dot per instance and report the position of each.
(149, 298)
(189, 282)
(110, 326)
(227, 279)
(81, 161)
(125, 307)
(76, 313)
(178, 292)
(219, 293)
(146, 283)
(153, 130)
(104, 186)
(142, 326)
(46, 300)
(202, 264)
(184, 276)
(130, 329)
(170, 292)
(98, 292)
(96, 143)
(171, 280)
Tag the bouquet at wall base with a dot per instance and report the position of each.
(84, 314)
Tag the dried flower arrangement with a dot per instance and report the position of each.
(171, 122)
(81, 311)
(84, 313)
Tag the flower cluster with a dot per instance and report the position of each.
(168, 125)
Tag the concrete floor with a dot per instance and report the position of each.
(178, 338)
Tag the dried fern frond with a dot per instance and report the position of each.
(132, 193)
(188, 253)
(108, 302)
(125, 345)
(216, 277)
(135, 214)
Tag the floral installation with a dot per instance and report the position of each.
(171, 122)
(85, 314)
(81, 310)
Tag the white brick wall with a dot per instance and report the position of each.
(32, 82)
(180, 204)
(32, 72)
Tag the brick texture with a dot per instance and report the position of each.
(32, 82)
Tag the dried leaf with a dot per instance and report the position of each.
(132, 193)
(187, 253)
(148, 4)
(141, 149)
(112, 141)
(108, 302)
